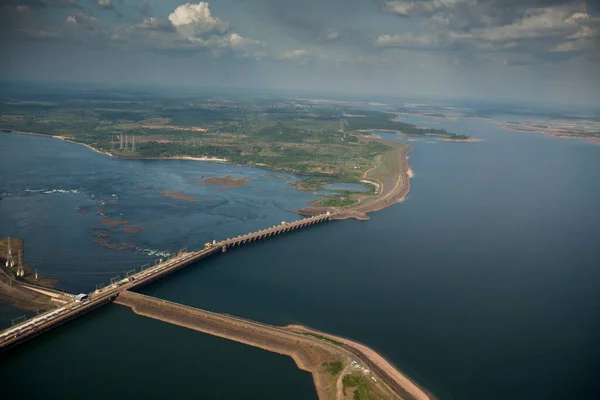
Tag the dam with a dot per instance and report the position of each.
(74, 308)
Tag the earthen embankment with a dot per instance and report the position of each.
(308, 354)
(310, 349)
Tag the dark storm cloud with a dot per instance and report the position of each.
(145, 9)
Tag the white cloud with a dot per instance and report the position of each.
(196, 19)
(572, 46)
(330, 35)
(577, 18)
(524, 26)
(41, 34)
(537, 23)
(236, 41)
(83, 19)
(155, 24)
(406, 40)
(420, 7)
(189, 28)
(104, 3)
(585, 32)
(233, 41)
(294, 55)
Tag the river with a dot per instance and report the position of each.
(481, 285)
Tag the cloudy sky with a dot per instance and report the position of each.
(528, 49)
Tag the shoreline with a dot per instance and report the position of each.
(469, 140)
(400, 187)
(309, 348)
(107, 153)
(384, 366)
(549, 133)
(381, 201)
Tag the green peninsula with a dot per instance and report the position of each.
(326, 141)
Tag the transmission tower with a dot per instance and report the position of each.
(133, 144)
(121, 140)
(20, 270)
(125, 142)
(9, 258)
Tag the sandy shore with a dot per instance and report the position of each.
(555, 129)
(107, 153)
(211, 159)
(382, 364)
(469, 140)
(305, 346)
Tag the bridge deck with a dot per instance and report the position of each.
(35, 326)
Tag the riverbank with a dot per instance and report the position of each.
(469, 140)
(24, 299)
(312, 350)
(393, 183)
(556, 128)
(402, 383)
(11, 291)
(391, 173)
(107, 153)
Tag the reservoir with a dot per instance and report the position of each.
(482, 284)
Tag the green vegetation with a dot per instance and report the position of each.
(287, 135)
(326, 339)
(362, 389)
(344, 198)
(458, 137)
(335, 367)
(374, 120)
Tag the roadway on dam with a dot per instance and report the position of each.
(44, 322)
(310, 349)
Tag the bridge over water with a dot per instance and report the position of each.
(44, 322)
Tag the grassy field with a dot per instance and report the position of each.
(334, 368)
(359, 385)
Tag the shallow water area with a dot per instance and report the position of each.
(86, 217)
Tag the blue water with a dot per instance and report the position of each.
(353, 187)
(481, 285)
(58, 197)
